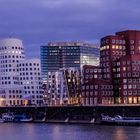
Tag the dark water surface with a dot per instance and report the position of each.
(12, 131)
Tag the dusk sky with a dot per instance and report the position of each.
(38, 21)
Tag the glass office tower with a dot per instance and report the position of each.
(67, 54)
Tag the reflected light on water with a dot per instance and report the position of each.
(120, 134)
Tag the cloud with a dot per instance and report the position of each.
(38, 21)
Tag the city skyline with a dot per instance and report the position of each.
(74, 20)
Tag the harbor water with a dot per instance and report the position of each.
(38, 131)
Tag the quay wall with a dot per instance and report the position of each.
(74, 113)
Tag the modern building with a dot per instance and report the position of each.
(30, 79)
(67, 54)
(63, 87)
(11, 53)
(56, 59)
(13, 73)
(120, 68)
(95, 89)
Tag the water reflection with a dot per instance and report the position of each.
(120, 134)
(67, 132)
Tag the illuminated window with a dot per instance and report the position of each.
(135, 100)
(107, 47)
(117, 47)
(130, 100)
(124, 68)
(120, 47)
(138, 99)
(113, 46)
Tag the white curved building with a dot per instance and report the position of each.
(11, 53)
(13, 70)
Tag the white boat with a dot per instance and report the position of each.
(7, 117)
(26, 120)
(119, 120)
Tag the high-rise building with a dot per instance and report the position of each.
(13, 75)
(67, 54)
(120, 70)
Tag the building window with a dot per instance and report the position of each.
(124, 80)
(96, 86)
(130, 100)
(131, 41)
(125, 93)
(129, 86)
(87, 70)
(87, 87)
(125, 86)
(95, 76)
(113, 41)
(124, 68)
(113, 46)
(91, 87)
(132, 52)
(132, 47)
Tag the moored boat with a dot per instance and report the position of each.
(119, 120)
(22, 118)
(7, 117)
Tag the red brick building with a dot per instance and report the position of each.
(118, 76)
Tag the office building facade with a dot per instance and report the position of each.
(67, 54)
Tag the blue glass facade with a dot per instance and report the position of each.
(68, 54)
